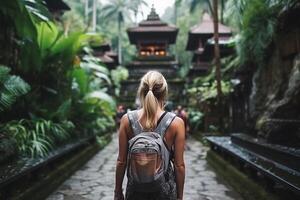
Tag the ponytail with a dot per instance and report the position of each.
(150, 107)
(152, 93)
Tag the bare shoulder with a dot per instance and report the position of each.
(125, 119)
(177, 124)
(124, 124)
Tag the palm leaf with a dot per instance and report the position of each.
(11, 87)
(63, 110)
(103, 76)
(4, 72)
(82, 79)
(94, 66)
(100, 95)
(38, 9)
(16, 86)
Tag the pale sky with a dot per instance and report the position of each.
(159, 5)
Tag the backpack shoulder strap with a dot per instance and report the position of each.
(165, 123)
(133, 120)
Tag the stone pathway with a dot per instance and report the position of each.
(95, 180)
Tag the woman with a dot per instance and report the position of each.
(152, 94)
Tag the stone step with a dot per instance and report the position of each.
(281, 174)
(287, 156)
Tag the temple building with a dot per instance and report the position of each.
(201, 43)
(152, 38)
(106, 55)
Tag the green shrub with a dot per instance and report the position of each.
(257, 21)
(11, 87)
(37, 137)
(195, 120)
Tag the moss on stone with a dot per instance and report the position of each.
(247, 188)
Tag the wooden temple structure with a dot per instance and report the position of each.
(106, 55)
(152, 38)
(201, 43)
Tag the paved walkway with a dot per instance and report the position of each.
(95, 180)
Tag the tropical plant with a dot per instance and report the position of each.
(65, 91)
(257, 21)
(11, 88)
(195, 119)
(209, 90)
(23, 15)
(37, 137)
(91, 81)
(118, 75)
(52, 80)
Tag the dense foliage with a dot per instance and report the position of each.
(256, 21)
(56, 90)
(254, 25)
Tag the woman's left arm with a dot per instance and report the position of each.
(122, 157)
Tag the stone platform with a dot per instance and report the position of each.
(275, 164)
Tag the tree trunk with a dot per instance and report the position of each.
(119, 38)
(222, 11)
(217, 61)
(86, 11)
(94, 15)
(210, 7)
(175, 13)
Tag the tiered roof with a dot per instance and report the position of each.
(205, 30)
(152, 28)
(105, 54)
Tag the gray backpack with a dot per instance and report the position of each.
(148, 156)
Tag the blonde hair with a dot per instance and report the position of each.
(152, 93)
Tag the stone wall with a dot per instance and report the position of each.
(275, 95)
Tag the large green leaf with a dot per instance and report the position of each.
(23, 22)
(100, 95)
(103, 76)
(16, 86)
(82, 79)
(94, 66)
(67, 47)
(62, 113)
(38, 9)
(48, 35)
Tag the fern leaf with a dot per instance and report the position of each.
(11, 87)
(4, 73)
